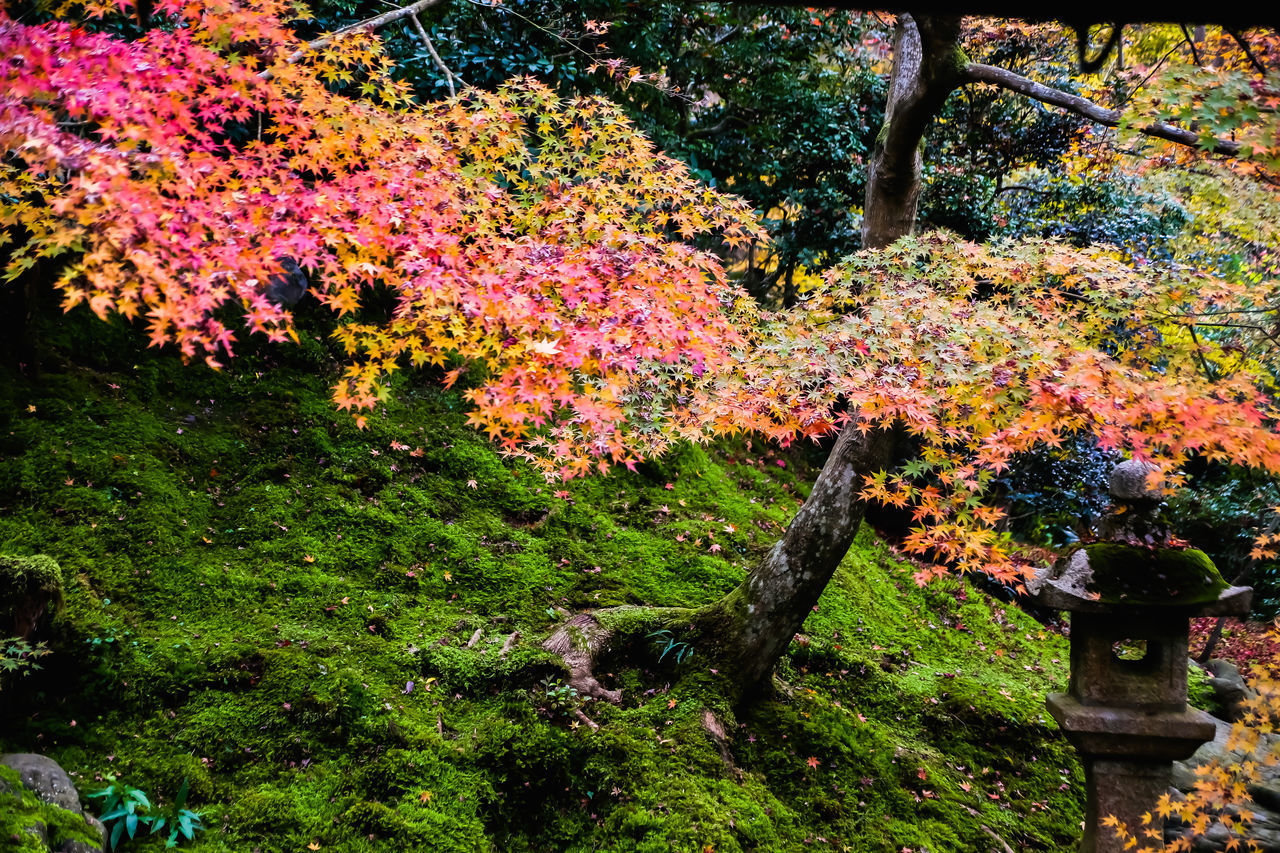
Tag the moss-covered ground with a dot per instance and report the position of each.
(280, 609)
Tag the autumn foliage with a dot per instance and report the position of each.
(985, 352)
(537, 237)
(1220, 797)
(539, 244)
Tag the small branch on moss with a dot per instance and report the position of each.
(989, 831)
(595, 727)
(475, 638)
(507, 646)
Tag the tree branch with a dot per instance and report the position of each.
(978, 73)
(367, 24)
(1244, 45)
(1191, 43)
(435, 57)
(1020, 188)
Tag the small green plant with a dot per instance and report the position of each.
(126, 809)
(667, 644)
(558, 697)
(19, 656)
(180, 820)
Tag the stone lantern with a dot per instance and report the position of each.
(1131, 596)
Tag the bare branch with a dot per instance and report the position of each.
(978, 73)
(1244, 45)
(435, 57)
(1191, 43)
(367, 24)
(1020, 188)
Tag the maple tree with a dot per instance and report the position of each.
(515, 229)
(537, 243)
(928, 66)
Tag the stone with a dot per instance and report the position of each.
(30, 590)
(43, 776)
(1229, 688)
(1129, 482)
(72, 846)
(1265, 793)
(40, 778)
(287, 287)
(1228, 674)
(1131, 595)
(77, 847)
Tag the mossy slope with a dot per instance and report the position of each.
(275, 606)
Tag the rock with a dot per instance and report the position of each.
(1229, 688)
(1129, 482)
(44, 777)
(30, 589)
(1265, 794)
(48, 806)
(1228, 674)
(287, 287)
(78, 847)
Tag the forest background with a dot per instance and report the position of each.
(793, 143)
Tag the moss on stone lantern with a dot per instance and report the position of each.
(1131, 597)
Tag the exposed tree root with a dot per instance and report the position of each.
(713, 727)
(578, 641)
(583, 639)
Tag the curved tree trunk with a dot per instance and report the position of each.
(750, 628)
(928, 65)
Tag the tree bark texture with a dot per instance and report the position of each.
(928, 65)
(750, 628)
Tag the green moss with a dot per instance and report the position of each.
(29, 587)
(277, 607)
(1127, 574)
(1200, 693)
(21, 810)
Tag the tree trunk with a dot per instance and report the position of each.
(928, 65)
(749, 629)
